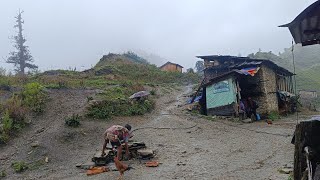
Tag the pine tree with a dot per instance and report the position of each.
(199, 67)
(21, 58)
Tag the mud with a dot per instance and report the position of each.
(192, 148)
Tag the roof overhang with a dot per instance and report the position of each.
(170, 63)
(305, 28)
(241, 62)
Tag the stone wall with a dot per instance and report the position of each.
(269, 89)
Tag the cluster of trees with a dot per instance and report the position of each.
(199, 67)
(305, 57)
(307, 62)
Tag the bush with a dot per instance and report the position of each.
(16, 111)
(108, 108)
(3, 174)
(34, 97)
(153, 92)
(274, 116)
(73, 121)
(6, 128)
(4, 138)
(7, 123)
(19, 166)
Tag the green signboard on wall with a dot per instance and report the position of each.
(221, 93)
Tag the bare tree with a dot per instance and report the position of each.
(21, 58)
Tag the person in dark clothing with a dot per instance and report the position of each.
(252, 107)
(242, 110)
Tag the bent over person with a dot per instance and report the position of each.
(115, 135)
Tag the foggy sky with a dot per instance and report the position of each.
(76, 33)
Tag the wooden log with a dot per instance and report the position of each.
(307, 133)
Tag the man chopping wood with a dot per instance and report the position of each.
(115, 135)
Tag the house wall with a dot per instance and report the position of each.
(268, 101)
(171, 68)
(308, 94)
(220, 97)
(179, 69)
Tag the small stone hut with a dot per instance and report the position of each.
(229, 79)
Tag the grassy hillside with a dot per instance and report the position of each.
(307, 60)
(117, 76)
(128, 57)
(305, 56)
(309, 78)
(112, 69)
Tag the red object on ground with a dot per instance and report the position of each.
(152, 164)
(269, 121)
(97, 170)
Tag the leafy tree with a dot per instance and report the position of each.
(190, 70)
(21, 58)
(199, 66)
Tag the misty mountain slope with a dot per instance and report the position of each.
(307, 61)
(309, 79)
(305, 57)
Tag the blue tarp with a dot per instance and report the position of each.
(197, 99)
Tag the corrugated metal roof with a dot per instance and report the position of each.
(305, 28)
(220, 58)
(239, 62)
(222, 76)
(251, 63)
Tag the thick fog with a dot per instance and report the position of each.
(76, 33)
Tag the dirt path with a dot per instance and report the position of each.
(209, 150)
(214, 150)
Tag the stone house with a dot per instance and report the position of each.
(308, 94)
(171, 67)
(228, 79)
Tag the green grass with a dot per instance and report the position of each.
(3, 174)
(73, 121)
(115, 102)
(274, 116)
(19, 166)
(107, 72)
(36, 164)
(309, 79)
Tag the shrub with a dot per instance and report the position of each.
(16, 111)
(121, 107)
(19, 166)
(140, 108)
(3, 174)
(89, 98)
(4, 138)
(73, 121)
(153, 92)
(7, 123)
(116, 102)
(274, 116)
(34, 97)
(13, 119)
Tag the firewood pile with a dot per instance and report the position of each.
(137, 150)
